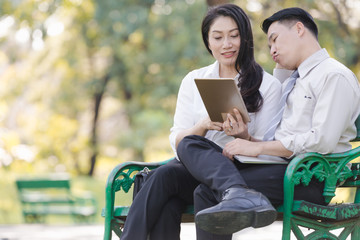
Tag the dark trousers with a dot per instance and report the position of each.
(205, 162)
(157, 208)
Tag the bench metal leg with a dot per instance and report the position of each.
(286, 229)
(356, 233)
(107, 232)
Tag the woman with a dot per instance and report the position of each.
(226, 31)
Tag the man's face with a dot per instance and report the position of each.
(283, 42)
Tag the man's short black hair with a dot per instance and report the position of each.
(292, 14)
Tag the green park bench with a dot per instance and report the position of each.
(332, 169)
(45, 196)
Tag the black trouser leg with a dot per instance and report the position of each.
(204, 160)
(168, 224)
(204, 198)
(164, 183)
(269, 180)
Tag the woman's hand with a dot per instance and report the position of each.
(200, 128)
(206, 124)
(235, 126)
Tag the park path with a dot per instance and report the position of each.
(95, 232)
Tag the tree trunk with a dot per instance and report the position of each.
(216, 2)
(97, 105)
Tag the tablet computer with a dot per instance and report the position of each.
(261, 159)
(221, 96)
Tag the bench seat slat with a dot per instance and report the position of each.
(61, 210)
(334, 213)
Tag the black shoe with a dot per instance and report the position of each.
(240, 208)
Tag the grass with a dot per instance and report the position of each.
(10, 207)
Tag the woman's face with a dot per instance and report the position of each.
(224, 41)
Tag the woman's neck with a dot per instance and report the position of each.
(227, 72)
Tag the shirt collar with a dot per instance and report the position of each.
(312, 61)
(213, 71)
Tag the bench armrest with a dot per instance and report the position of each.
(121, 178)
(332, 169)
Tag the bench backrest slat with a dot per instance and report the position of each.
(42, 183)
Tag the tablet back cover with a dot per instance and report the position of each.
(221, 96)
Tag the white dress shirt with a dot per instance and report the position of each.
(321, 110)
(190, 108)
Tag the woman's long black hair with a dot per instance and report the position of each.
(251, 73)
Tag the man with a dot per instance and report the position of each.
(319, 116)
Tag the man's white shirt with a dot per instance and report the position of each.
(322, 107)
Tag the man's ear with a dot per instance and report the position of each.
(300, 28)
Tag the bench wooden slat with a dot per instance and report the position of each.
(337, 212)
(43, 183)
(60, 210)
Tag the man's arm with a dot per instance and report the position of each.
(332, 121)
(253, 149)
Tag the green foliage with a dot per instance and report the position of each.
(337, 21)
(58, 56)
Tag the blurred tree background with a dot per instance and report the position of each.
(88, 84)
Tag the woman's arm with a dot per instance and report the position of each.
(200, 128)
(190, 116)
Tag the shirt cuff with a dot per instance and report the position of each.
(293, 144)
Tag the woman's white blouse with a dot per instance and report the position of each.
(190, 108)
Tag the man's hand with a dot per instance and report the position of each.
(253, 149)
(241, 147)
